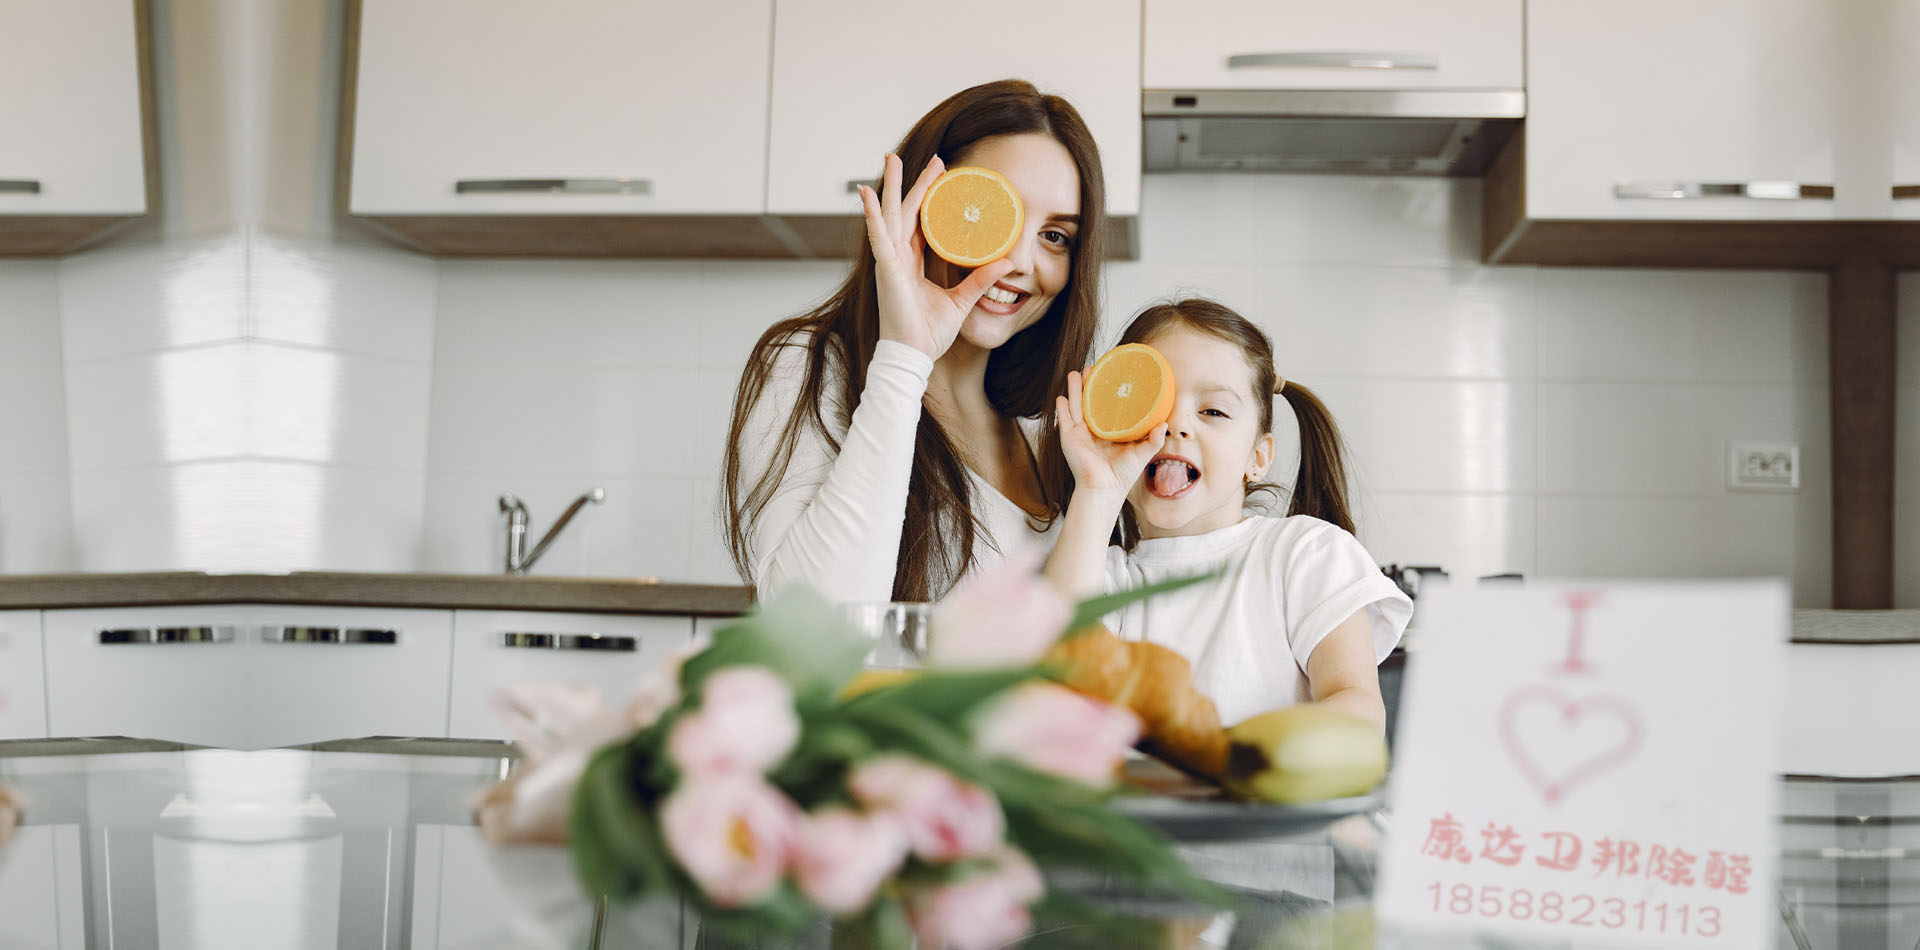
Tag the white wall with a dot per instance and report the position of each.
(1553, 422)
(35, 507)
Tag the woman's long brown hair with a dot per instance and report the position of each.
(1023, 374)
(1321, 488)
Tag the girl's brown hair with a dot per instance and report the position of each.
(1023, 374)
(1321, 488)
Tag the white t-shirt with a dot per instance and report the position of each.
(834, 520)
(1287, 583)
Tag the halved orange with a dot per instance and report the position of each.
(1128, 392)
(971, 216)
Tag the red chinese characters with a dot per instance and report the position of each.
(1564, 851)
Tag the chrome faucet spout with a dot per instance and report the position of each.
(520, 560)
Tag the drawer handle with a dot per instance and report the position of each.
(124, 635)
(570, 641)
(1336, 59)
(554, 186)
(329, 635)
(19, 186)
(1763, 190)
(1906, 191)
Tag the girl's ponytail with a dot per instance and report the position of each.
(1321, 488)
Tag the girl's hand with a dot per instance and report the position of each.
(913, 309)
(1100, 467)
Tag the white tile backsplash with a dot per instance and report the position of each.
(127, 300)
(370, 405)
(364, 301)
(1567, 421)
(1683, 326)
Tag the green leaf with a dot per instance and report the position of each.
(618, 834)
(943, 695)
(904, 729)
(1092, 609)
(798, 635)
(1092, 836)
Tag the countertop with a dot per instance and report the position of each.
(326, 588)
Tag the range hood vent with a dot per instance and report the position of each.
(1389, 132)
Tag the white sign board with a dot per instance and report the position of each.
(1592, 765)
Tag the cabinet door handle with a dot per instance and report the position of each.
(554, 186)
(570, 641)
(365, 635)
(1764, 190)
(19, 186)
(1906, 191)
(124, 635)
(1336, 59)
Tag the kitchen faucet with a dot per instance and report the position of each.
(519, 560)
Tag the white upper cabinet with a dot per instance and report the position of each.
(1313, 44)
(1906, 114)
(850, 77)
(479, 106)
(1701, 110)
(70, 140)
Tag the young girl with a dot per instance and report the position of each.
(1300, 612)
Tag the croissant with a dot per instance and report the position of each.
(1177, 723)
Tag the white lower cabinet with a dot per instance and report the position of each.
(320, 673)
(495, 648)
(174, 673)
(23, 693)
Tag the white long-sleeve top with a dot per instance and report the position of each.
(834, 521)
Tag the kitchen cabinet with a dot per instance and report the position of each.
(496, 648)
(1905, 66)
(1306, 44)
(23, 694)
(851, 76)
(1622, 118)
(474, 106)
(568, 127)
(658, 129)
(1727, 137)
(73, 151)
(176, 673)
(319, 673)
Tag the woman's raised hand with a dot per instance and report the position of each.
(914, 310)
(1099, 466)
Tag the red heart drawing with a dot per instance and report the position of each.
(1601, 760)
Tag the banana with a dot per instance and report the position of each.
(1304, 753)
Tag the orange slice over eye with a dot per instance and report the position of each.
(1129, 391)
(971, 216)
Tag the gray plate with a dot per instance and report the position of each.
(1191, 820)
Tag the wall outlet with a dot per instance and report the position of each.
(1755, 466)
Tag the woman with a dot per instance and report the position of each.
(835, 477)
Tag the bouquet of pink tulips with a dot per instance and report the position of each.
(925, 808)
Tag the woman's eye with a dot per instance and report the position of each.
(1214, 412)
(1057, 238)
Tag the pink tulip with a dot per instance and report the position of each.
(745, 724)
(1003, 615)
(840, 857)
(658, 689)
(1052, 729)
(944, 818)
(732, 834)
(981, 911)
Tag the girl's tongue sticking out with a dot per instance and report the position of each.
(1169, 477)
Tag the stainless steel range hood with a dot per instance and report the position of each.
(1376, 131)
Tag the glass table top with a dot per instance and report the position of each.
(371, 844)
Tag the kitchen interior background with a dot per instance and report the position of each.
(247, 383)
